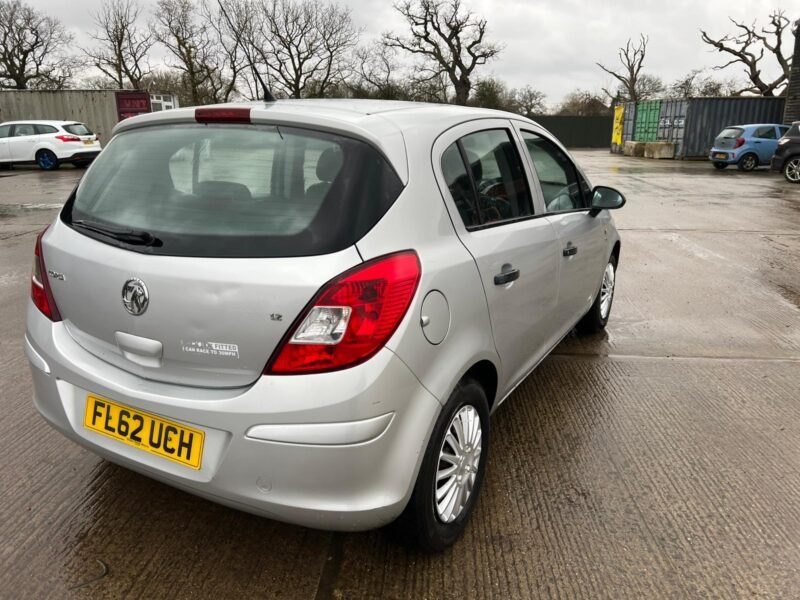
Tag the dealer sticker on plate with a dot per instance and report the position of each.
(145, 431)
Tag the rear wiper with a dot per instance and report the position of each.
(122, 234)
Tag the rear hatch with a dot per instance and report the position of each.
(189, 249)
(726, 140)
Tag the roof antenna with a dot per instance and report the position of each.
(268, 97)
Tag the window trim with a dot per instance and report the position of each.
(475, 203)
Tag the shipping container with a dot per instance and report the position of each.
(100, 110)
(672, 122)
(647, 115)
(578, 132)
(693, 123)
(629, 121)
(706, 117)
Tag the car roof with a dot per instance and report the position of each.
(750, 125)
(40, 122)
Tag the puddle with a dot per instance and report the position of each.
(13, 210)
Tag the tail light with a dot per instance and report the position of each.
(350, 318)
(231, 114)
(41, 294)
(68, 138)
(739, 142)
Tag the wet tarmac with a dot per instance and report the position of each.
(660, 459)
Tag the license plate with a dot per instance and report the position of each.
(144, 431)
(88, 142)
(720, 155)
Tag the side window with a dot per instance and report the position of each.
(5, 131)
(561, 188)
(43, 129)
(782, 131)
(498, 176)
(20, 130)
(766, 133)
(460, 185)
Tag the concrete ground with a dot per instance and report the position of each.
(660, 459)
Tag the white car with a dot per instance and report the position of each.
(47, 143)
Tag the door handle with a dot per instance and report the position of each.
(570, 251)
(507, 275)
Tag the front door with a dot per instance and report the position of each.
(489, 198)
(582, 237)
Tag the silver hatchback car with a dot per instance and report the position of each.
(309, 309)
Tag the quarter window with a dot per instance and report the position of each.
(558, 178)
(766, 133)
(44, 129)
(5, 131)
(486, 179)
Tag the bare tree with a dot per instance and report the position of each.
(185, 29)
(632, 58)
(530, 101)
(697, 84)
(748, 48)
(238, 34)
(583, 103)
(31, 46)
(449, 40)
(378, 74)
(123, 46)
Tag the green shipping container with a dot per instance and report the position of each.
(647, 116)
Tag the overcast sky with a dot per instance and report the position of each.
(554, 45)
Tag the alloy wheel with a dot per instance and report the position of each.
(607, 291)
(792, 170)
(457, 467)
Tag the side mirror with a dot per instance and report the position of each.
(605, 198)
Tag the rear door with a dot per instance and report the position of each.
(765, 140)
(488, 195)
(22, 142)
(223, 234)
(582, 237)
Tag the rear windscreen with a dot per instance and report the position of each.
(731, 132)
(77, 129)
(236, 190)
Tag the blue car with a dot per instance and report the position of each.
(746, 146)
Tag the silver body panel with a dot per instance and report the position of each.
(337, 450)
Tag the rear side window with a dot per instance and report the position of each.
(26, 129)
(45, 129)
(731, 132)
(766, 133)
(5, 131)
(783, 130)
(77, 129)
(494, 187)
(237, 191)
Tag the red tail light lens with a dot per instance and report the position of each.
(351, 317)
(68, 138)
(41, 294)
(739, 142)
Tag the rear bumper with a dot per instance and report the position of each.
(83, 155)
(335, 451)
(722, 156)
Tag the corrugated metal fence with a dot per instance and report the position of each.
(578, 132)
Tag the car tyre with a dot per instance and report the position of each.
(720, 165)
(597, 317)
(432, 525)
(748, 162)
(791, 170)
(47, 160)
